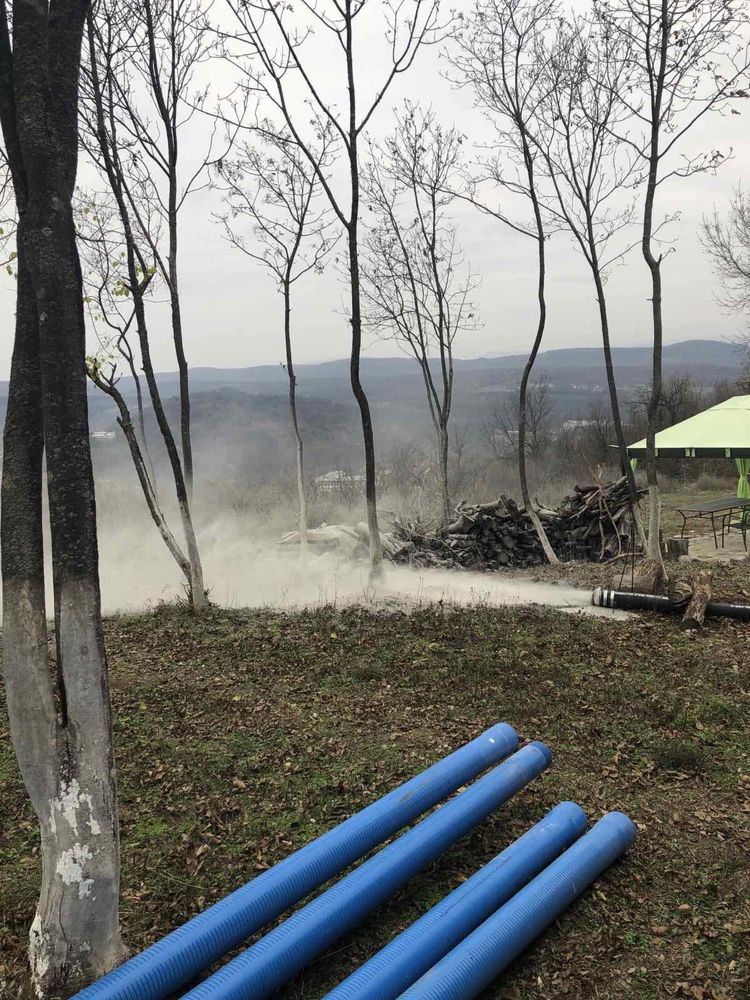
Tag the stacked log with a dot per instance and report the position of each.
(591, 524)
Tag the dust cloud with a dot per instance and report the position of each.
(245, 567)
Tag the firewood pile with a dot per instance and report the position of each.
(592, 524)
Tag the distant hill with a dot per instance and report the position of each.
(241, 421)
(705, 359)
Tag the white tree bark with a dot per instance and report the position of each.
(75, 935)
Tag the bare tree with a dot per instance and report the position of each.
(728, 245)
(269, 44)
(684, 58)
(413, 285)
(162, 45)
(681, 397)
(60, 719)
(598, 433)
(590, 170)
(106, 82)
(500, 427)
(103, 253)
(275, 188)
(499, 59)
(409, 469)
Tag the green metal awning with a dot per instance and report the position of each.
(723, 431)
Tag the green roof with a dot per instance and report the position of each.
(721, 431)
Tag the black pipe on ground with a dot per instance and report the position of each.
(625, 601)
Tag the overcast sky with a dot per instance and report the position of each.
(231, 310)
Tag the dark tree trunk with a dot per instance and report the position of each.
(376, 553)
(62, 735)
(76, 933)
(299, 444)
(528, 367)
(445, 497)
(179, 346)
(376, 549)
(654, 265)
(613, 397)
(146, 453)
(198, 597)
(652, 412)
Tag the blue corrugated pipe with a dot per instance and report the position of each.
(288, 948)
(181, 955)
(420, 946)
(482, 956)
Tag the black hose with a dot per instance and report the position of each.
(626, 601)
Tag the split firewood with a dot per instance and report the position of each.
(696, 609)
(593, 524)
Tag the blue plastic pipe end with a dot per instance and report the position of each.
(567, 814)
(504, 734)
(413, 952)
(547, 756)
(473, 964)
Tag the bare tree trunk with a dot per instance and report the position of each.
(197, 594)
(179, 346)
(149, 492)
(654, 266)
(541, 277)
(62, 734)
(652, 413)
(443, 444)
(127, 353)
(65, 754)
(376, 550)
(652, 478)
(295, 422)
(77, 921)
(614, 400)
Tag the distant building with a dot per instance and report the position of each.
(572, 425)
(103, 435)
(338, 479)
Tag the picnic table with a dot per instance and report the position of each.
(721, 510)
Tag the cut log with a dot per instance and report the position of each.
(696, 609)
(677, 547)
(649, 577)
(679, 593)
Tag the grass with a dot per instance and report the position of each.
(242, 735)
